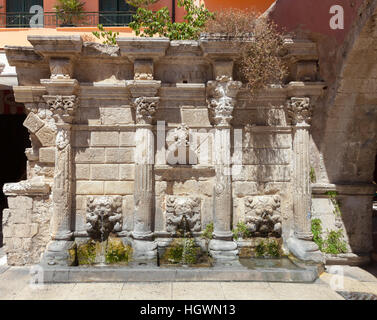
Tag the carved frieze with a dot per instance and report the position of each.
(104, 215)
(146, 108)
(181, 209)
(299, 111)
(263, 216)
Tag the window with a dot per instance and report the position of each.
(18, 12)
(115, 12)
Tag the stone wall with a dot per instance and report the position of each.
(95, 115)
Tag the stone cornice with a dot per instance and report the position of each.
(344, 189)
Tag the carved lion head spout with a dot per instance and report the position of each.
(104, 215)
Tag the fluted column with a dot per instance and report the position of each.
(299, 112)
(144, 160)
(63, 108)
(222, 98)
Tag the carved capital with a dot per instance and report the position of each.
(222, 99)
(299, 111)
(62, 107)
(146, 108)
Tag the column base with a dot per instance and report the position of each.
(223, 235)
(144, 253)
(144, 236)
(58, 254)
(63, 236)
(223, 250)
(305, 250)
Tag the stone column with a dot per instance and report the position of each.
(144, 246)
(222, 98)
(301, 244)
(63, 108)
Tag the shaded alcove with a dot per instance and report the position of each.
(14, 139)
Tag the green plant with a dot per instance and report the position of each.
(268, 249)
(241, 231)
(116, 252)
(107, 37)
(69, 11)
(208, 231)
(333, 198)
(317, 232)
(260, 61)
(183, 251)
(333, 243)
(313, 177)
(141, 3)
(147, 23)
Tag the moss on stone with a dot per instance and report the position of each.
(86, 253)
(72, 255)
(117, 252)
(182, 251)
(270, 248)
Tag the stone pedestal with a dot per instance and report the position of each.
(301, 243)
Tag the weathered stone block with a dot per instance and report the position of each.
(119, 155)
(126, 172)
(47, 155)
(119, 187)
(46, 136)
(81, 139)
(195, 116)
(21, 230)
(104, 172)
(127, 139)
(82, 171)
(104, 139)
(90, 155)
(115, 116)
(20, 202)
(89, 187)
(33, 123)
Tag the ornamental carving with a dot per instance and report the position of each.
(222, 99)
(299, 111)
(262, 216)
(146, 108)
(104, 215)
(181, 210)
(62, 106)
(60, 68)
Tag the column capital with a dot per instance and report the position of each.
(62, 107)
(146, 108)
(221, 100)
(299, 111)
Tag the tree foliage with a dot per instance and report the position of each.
(147, 23)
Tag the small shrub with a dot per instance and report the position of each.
(69, 11)
(107, 37)
(241, 231)
(183, 251)
(208, 231)
(260, 63)
(260, 249)
(116, 252)
(333, 243)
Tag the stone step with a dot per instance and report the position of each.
(156, 274)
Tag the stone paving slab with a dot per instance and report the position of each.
(15, 284)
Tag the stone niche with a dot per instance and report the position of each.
(106, 123)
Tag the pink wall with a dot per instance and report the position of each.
(314, 16)
(90, 5)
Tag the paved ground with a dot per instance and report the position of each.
(14, 284)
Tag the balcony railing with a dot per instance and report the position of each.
(51, 20)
